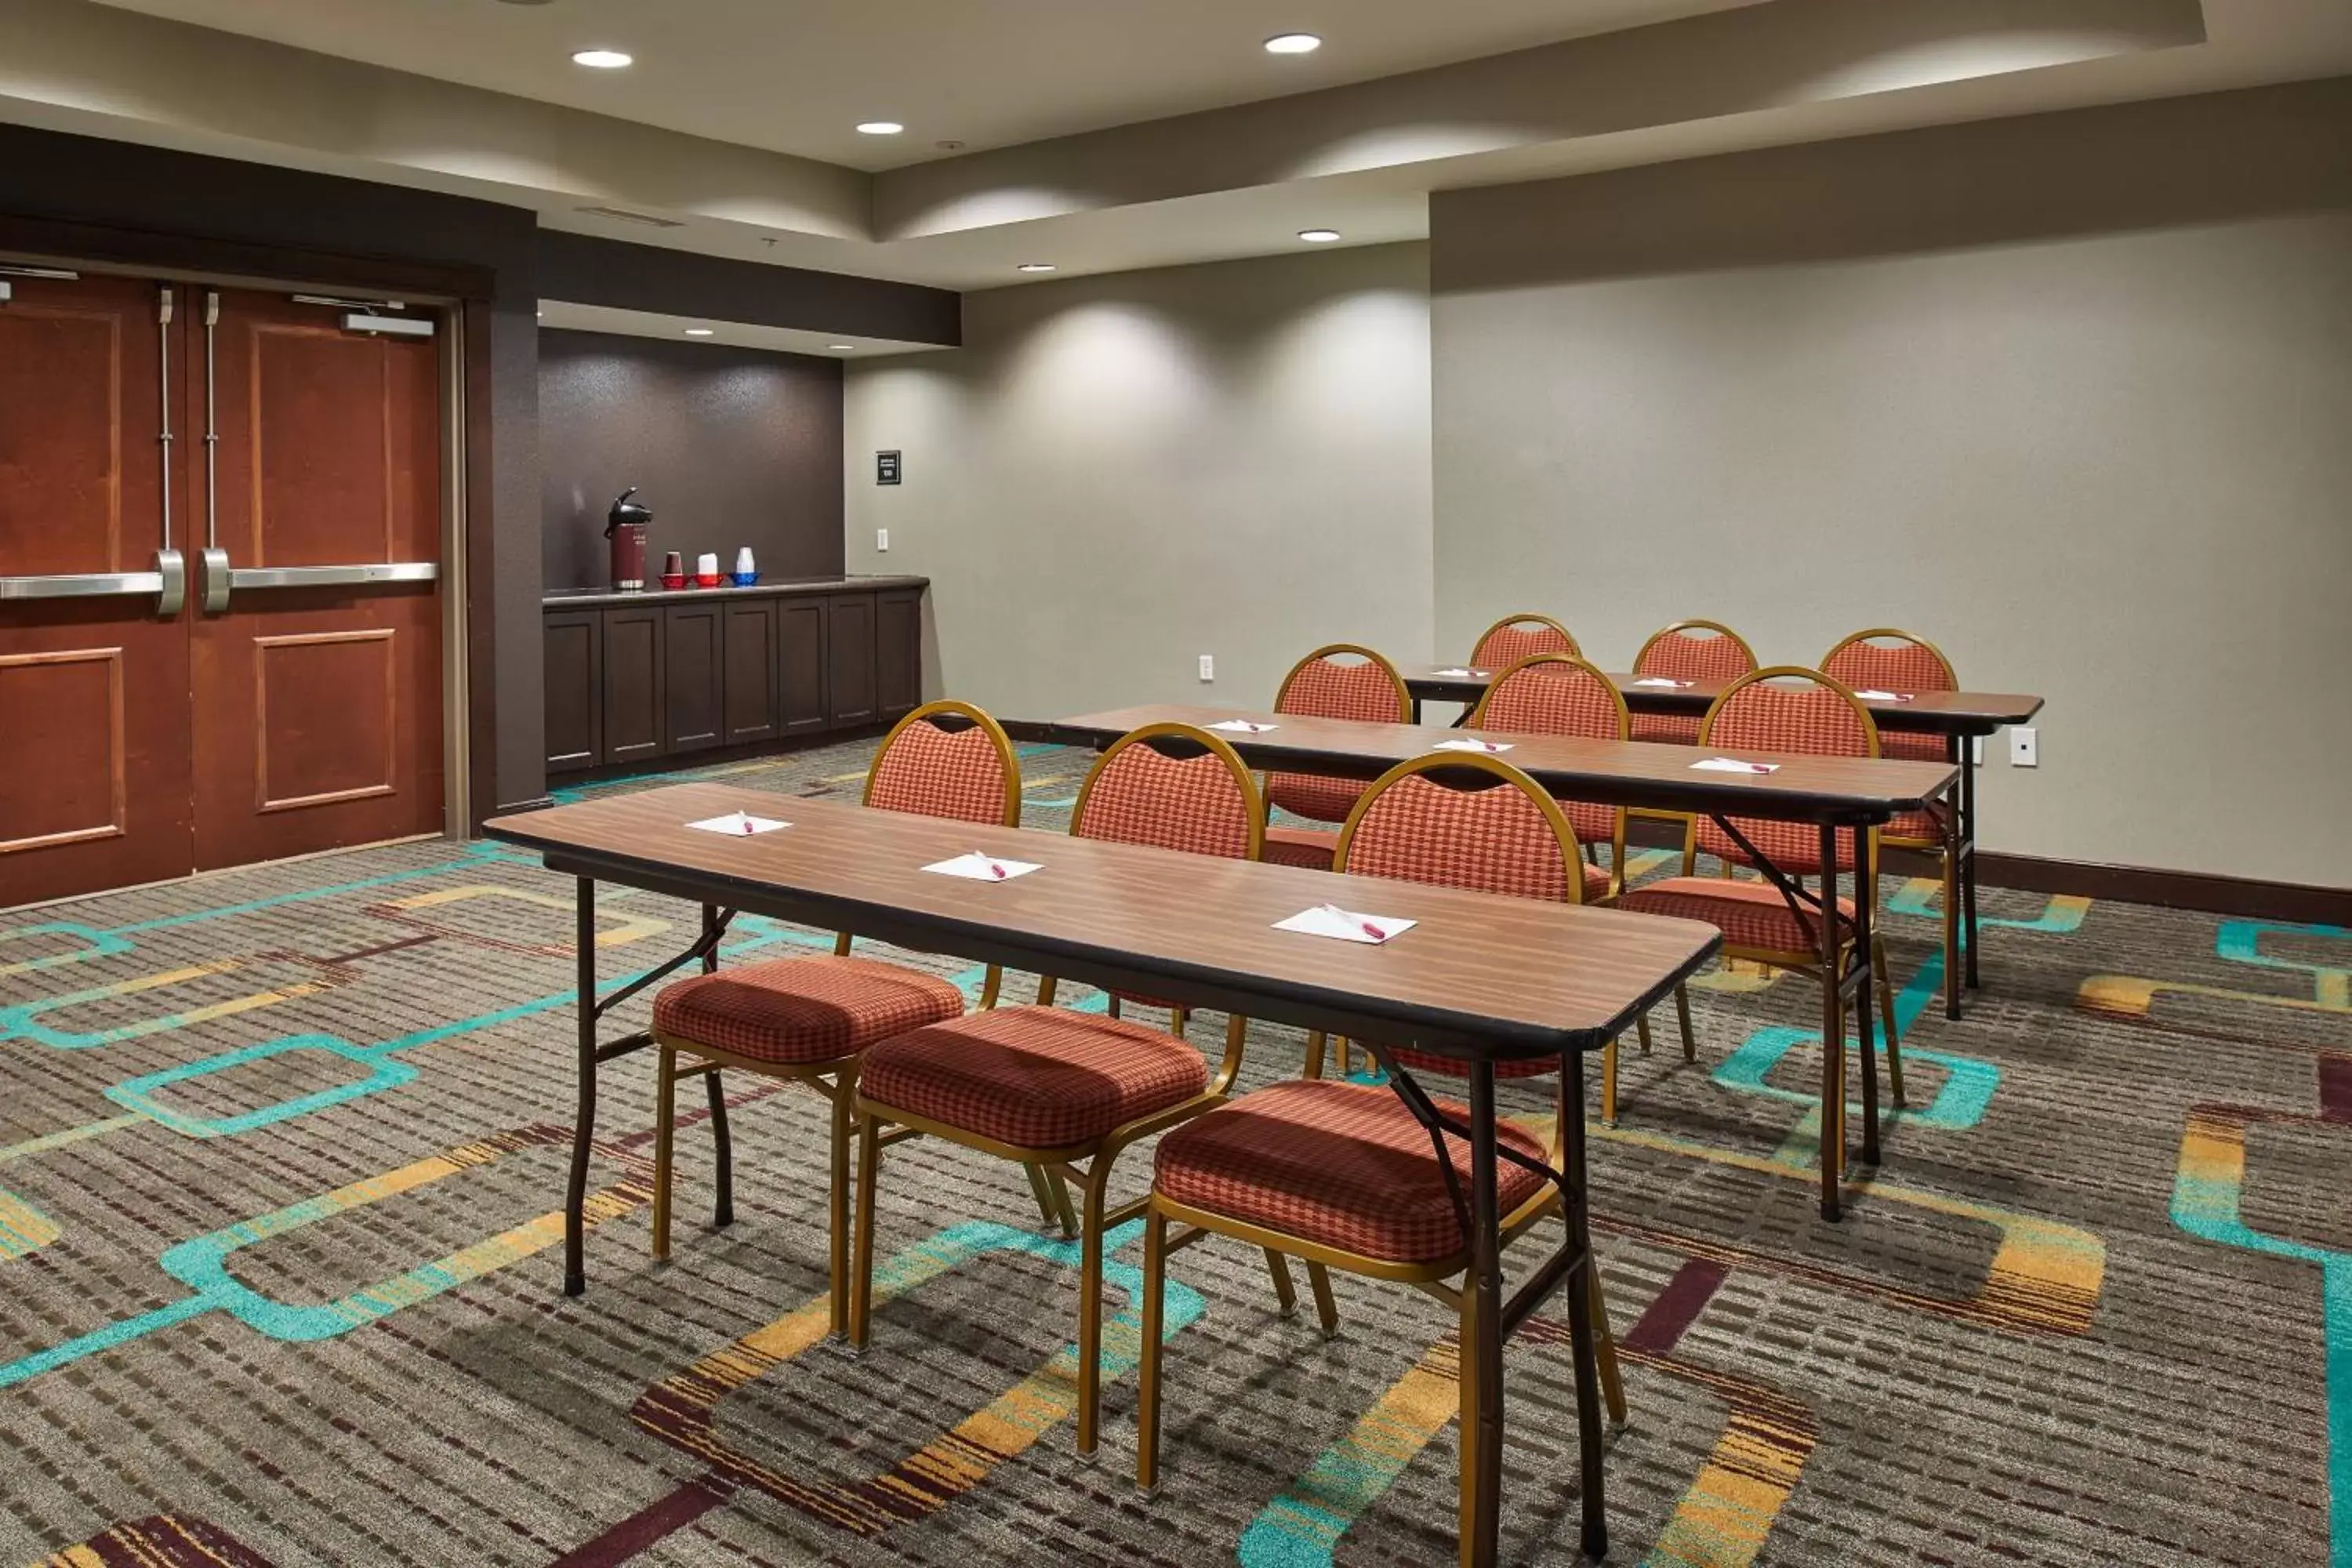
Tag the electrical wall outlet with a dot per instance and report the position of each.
(1208, 666)
(2024, 750)
(882, 539)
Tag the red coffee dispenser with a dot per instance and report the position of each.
(625, 529)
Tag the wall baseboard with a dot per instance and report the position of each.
(2244, 896)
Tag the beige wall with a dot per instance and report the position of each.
(1115, 475)
(2071, 395)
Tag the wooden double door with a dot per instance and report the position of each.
(220, 615)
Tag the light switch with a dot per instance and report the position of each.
(1208, 666)
(2023, 748)
(882, 539)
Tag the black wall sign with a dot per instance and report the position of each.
(886, 467)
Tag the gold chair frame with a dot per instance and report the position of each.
(1531, 617)
(1160, 1212)
(1679, 627)
(1089, 1163)
(1808, 962)
(836, 1079)
(1948, 865)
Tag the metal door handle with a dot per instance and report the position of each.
(168, 582)
(220, 577)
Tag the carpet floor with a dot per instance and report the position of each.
(281, 1156)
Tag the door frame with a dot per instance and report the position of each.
(460, 297)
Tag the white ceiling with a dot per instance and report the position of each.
(797, 76)
(561, 315)
(1046, 81)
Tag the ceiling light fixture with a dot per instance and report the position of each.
(1318, 235)
(1036, 267)
(602, 60)
(1293, 44)
(697, 331)
(879, 128)
(845, 348)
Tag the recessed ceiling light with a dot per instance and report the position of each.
(1036, 267)
(602, 60)
(1318, 235)
(697, 331)
(879, 128)
(1293, 44)
(845, 348)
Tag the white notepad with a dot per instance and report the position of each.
(739, 825)
(1662, 680)
(1344, 925)
(1733, 765)
(979, 867)
(1469, 743)
(1884, 695)
(1460, 673)
(1245, 726)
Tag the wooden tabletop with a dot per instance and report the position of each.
(1480, 975)
(1612, 773)
(1926, 712)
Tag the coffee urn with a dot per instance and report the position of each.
(625, 529)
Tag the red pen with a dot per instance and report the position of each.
(994, 869)
(1367, 927)
(745, 819)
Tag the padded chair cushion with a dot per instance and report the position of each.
(1320, 799)
(1312, 848)
(1666, 728)
(799, 1010)
(1035, 1078)
(1339, 1164)
(1749, 914)
(1917, 826)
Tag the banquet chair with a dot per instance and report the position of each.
(1900, 664)
(808, 1019)
(1688, 650)
(1057, 1091)
(1343, 681)
(1516, 638)
(1558, 694)
(1783, 708)
(1342, 1175)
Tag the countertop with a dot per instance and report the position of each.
(597, 598)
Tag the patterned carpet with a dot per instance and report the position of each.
(281, 1161)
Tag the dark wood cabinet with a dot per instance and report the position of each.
(800, 636)
(694, 658)
(634, 690)
(575, 690)
(749, 636)
(898, 651)
(849, 661)
(632, 681)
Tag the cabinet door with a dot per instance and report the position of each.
(694, 658)
(633, 684)
(898, 651)
(575, 690)
(751, 674)
(801, 637)
(849, 661)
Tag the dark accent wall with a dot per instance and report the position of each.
(729, 446)
(583, 270)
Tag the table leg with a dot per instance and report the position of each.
(1481, 1545)
(1580, 1296)
(583, 1126)
(723, 1146)
(1967, 831)
(1866, 894)
(1832, 1032)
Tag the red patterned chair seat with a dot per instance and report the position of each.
(1312, 848)
(1339, 1164)
(1308, 795)
(799, 1010)
(1035, 1078)
(1751, 914)
(1919, 826)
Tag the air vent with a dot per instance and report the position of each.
(646, 219)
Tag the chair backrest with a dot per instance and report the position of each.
(1560, 694)
(1345, 680)
(1463, 821)
(948, 759)
(1784, 707)
(1886, 659)
(1172, 786)
(1695, 650)
(1516, 637)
